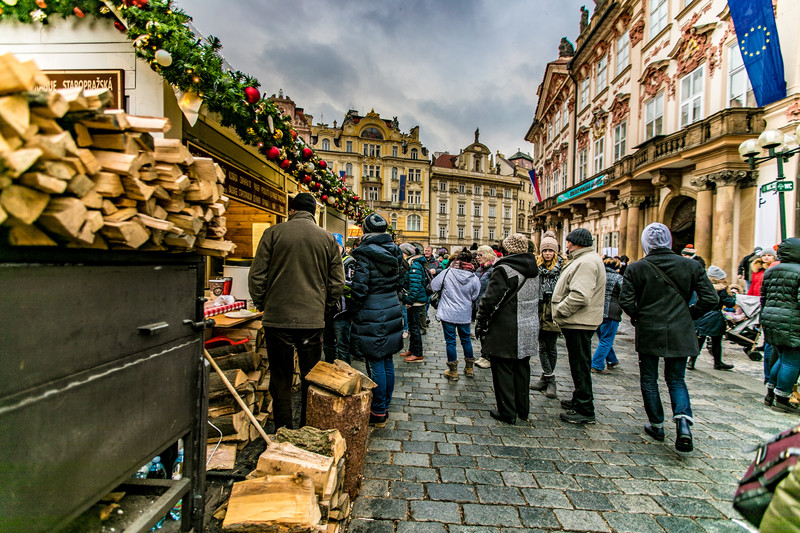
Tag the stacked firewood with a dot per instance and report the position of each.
(75, 173)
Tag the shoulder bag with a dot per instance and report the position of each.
(437, 296)
(660, 274)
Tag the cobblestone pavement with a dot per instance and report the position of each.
(442, 464)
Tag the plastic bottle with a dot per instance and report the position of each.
(177, 473)
(143, 471)
(157, 470)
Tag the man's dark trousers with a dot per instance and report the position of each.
(281, 344)
(579, 350)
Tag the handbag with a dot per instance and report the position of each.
(773, 462)
(437, 295)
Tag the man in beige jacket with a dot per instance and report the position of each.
(578, 309)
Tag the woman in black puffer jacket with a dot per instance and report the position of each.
(376, 333)
(780, 318)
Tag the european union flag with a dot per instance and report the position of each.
(761, 51)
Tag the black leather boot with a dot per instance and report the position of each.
(683, 441)
(690, 364)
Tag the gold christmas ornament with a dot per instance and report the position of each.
(278, 135)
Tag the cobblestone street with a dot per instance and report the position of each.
(442, 464)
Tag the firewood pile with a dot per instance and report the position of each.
(75, 173)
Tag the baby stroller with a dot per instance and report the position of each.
(746, 332)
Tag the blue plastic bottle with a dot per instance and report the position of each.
(177, 473)
(157, 470)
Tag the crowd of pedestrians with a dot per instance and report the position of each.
(361, 304)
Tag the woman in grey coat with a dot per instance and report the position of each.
(460, 287)
(508, 327)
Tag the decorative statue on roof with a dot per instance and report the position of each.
(395, 123)
(565, 49)
(477, 134)
(584, 18)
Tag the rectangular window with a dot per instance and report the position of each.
(492, 191)
(348, 146)
(564, 176)
(507, 212)
(394, 195)
(556, 175)
(491, 234)
(442, 208)
(654, 116)
(620, 135)
(462, 209)
(692, 97)
(414, 197)
(476, 210)
(549, 132)
(658, 16)
(740, 91)
(461, 232)
(557, 122)
(394, 151)
(582, 165)
(394, 173)
(414, 223)
(602, 74)
(491, 211)
(584, 92)
(462, 188)
(507, 193)
(373, 193)
(443, 186)
(623, 52)
(442, 232)
(477, 190)
(476, 232)
(506, 232)
(599, 154)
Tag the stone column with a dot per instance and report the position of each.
(623, 227)
(722, 253)
(703, 216)
(537, 235)
(634, 232)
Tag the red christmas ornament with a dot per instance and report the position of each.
(78, 12)
(306, 179)
(285, 163)
(322, 164)
(355, 198)
(273, 152)
(317, 186)
(324, 198)
(307, 152)
(120, 26)
(293, 134)
(252, 95)
(137, 3)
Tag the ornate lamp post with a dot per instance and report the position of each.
(774, 142)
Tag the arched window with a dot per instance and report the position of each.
(326, 144)
(394, 173)
(414, 154)
(348, 169)
(478, 166)
(414, 223)
(394, 220)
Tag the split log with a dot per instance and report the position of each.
(137, 189)
(97, 98)
(82, 136)
(128, 142)
(55, 146)
(179, 184)
(64, 216)
(285, 458)
(58, 169)
(48, 104)
(337, 379)
(366, 382)
(324, 442)
(121, 215)
(89, 161)
(108, 184)
(243, 361)
(235, 376)
(23, 203)
(179, 241)
(235, 426)
(125, 164)
(148, 124)
(350, 415)
(75, 99)
(15, 77)
(155, 223)
(95, 220)
(43, 182)
(46, 125)
(172, 151)
(190, 225)
(15, 114)
(108, 207)
(15, 163)
(27, 235)
(214, 247)
(272, 503)
(80, 185)
(131, 232)
(224, 458)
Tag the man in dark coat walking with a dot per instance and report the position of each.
(655, 293)
(296, 274)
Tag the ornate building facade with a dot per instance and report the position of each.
(641, 122)
(476, 197)
(389, 169)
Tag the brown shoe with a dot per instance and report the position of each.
(413, 359)
(406, 354)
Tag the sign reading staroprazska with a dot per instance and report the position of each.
(111, 79)
(577, 191)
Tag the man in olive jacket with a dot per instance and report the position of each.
(578, 303)
(296, 275)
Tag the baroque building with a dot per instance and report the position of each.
(384, 166)
(641, 122)
(476, 198)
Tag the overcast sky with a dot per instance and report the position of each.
(449, 66)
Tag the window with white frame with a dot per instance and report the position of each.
(584, 92)
(373, 193)
(476, 232)
(623, 52)
(348, 146)
(740, 90)
(507, 193)
(462, 188)
(442, 208)
(415, 174)
(599, 154)
(491, 211)
(491, 234)
(549, 132)
(654, 116)
(547, 182)
(462, 209)
(442, 232)
(506, 212)
(443, 186)
(620, 136)
(492, 191)
(372, 150)
(414, 197)
(557, 122)
(393, 219)
(564, 175)
(414, 223)
(658, 16)
(602, 73)
(348, 169)
(394, 151)
(414, 153)
(476, 210)
(692, 96)
(394, 195)
(583, 165)
(461, 232)
(564, 114)
(394, 173)
(556, 175)
(477, 190)
(506, 231)
(326, 144)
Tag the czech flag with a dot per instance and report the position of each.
(535, 183)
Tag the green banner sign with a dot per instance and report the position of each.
(577, 191)
(778, 186)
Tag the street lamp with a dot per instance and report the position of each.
(774, 142)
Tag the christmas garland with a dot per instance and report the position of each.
(161, 35)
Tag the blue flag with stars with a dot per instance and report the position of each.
(761, 51)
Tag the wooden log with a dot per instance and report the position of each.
(272, 503)
(366, 382)
(13, 164)
(89, 161)
(179, 241)
(178, 184)
(242, 360)
(82, 136)
(14, 76)
(15, 113)
(188, 224)
(168, 171)
(342, 510)
(95, 220)
(80, 185)
(130, 232)
(128, 142)
(175, 204)
(148, 124)
(58, 169)
(206, 193)
(235, 425)
(286, 458)
(172, 151)
(203, 169)
(43, 182)
(124, 202)
(324, 442)
(156, 223)
(63, 216)
(108, 184)
(337, 379)
(350, 415)
(108, 208)
(235, 376)
(126, 213)
(161, 193)
(147, 174)
(48, 104)
(136, 188)
(92, 199)
(28, 235)
(46, 126)
(109, 119)
(214, 246)
(223, 458)
(125, 164)
(98, 98)
(75, 99)
(23, 203)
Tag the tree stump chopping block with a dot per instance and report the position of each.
(350, 415)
